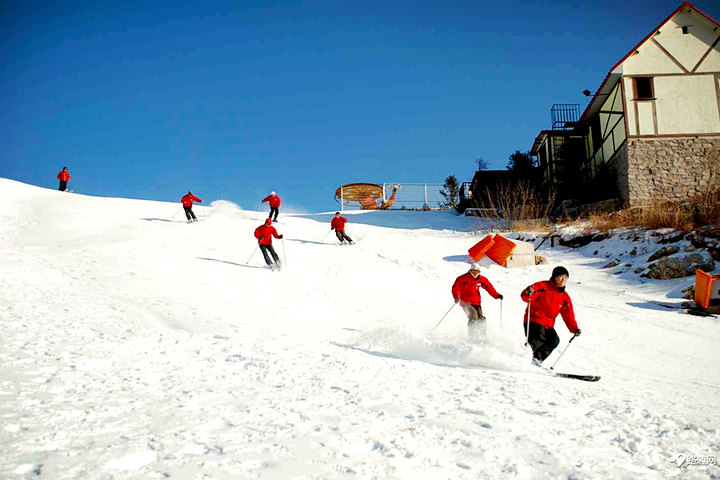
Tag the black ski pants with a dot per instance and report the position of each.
(189, 213)
(274, 210)
(268, 250)
(342, 236)
(63, 186)
(542, 340)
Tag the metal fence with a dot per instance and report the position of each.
(410, 196)
(416, 196)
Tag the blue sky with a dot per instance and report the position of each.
(233, 99)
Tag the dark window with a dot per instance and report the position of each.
(685, 29)
(644, 88)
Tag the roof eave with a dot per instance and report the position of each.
(617, 68)
(611, 80)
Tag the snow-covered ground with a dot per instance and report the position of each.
(134, 345)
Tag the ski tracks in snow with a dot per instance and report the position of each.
(118, 396)
(125, 356)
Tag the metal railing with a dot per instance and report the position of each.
(563, 113)
(415, 195)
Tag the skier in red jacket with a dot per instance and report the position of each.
(275, 202)
(264, 234)
(64, 177)
(545, 301)
(187, 203)
(466, 292)
(338, 224)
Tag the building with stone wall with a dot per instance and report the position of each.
(652, 129)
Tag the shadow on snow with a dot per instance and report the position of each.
(230, 263)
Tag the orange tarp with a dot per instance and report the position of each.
(704, 287)
(479, 249)
(500, 250)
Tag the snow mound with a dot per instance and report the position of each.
(406, 344)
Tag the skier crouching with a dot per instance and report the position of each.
(466, 292)
(264, 234)
(547, 299)
(338, 224)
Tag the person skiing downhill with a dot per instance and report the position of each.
(264, 234)
(275, 202)
(547, 299)
(338, 224)
(64, 177)
(187, 203)
(466, 292)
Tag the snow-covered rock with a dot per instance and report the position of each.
(678, 267)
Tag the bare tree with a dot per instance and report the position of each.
(481, 163)
(516, 202)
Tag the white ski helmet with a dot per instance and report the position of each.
(272, 193)
(475, 266)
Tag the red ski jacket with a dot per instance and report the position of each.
(188, 200)
(63, 176)
(547, 302)
(467, 288)
(266, 232)
(273, 199)
(338, 223)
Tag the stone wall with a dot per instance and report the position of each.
(675, 168)
(618, 165)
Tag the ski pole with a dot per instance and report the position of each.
(178, 211)
(527, 323)
(284, 253)
(326, 235)
(563, 352)
(501, 311)
(251, 255)
(443, 318)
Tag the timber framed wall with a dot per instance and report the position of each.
(671, 95)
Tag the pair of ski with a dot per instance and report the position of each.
(585, 378)
(551, 373)
(574, 376)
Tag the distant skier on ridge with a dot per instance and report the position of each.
(338, 224)
(264, 234)
(275, 202)
(547, 299)
(466, 292)
(187, 203)
(64, 177)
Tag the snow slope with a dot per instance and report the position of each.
(137, 346)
